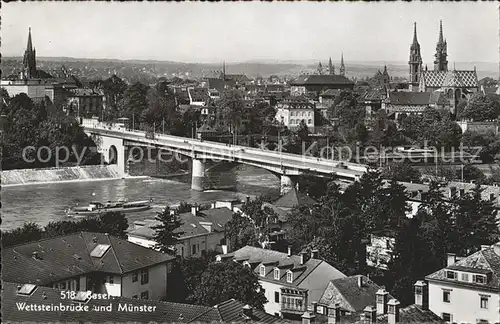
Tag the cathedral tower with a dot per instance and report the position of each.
(29, 61)
(441, 63)
(342, 66)
(415, 61)
(331, 68)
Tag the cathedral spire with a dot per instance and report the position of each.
(441, 38)
(320, 68)
(342, 66)
(415, 40)
(29, 47)
(29, 60)
(330, 67)
(441, 63)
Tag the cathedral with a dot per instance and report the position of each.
(331, 67)
(453, 85)
(29, 61)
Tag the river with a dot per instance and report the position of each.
(42, 203)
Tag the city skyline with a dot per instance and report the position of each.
(297, 37)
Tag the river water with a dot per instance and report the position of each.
(42, 203)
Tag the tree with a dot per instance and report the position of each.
(161, 110)
(470, 172)
(135, 101)
(401, 172)
(226, 280)
(167, 232)
(29, 232)
(303, 131)
(191, 271)
(481, 107)
(241, 231)
(114, 89)
(345, 107)
(232, 109)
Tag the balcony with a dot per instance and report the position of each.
(296, 307)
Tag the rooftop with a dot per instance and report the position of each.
(294, 198)
(231, 311)
(454, 78)
(409, 98)
(50, 260)
(317, 79)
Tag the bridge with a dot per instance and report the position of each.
(113, 140)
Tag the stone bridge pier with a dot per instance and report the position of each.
(198, 174)
(113, 151)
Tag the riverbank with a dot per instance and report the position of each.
(22, 177)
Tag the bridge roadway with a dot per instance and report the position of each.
(282, 163)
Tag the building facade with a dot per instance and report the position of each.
(293, 110)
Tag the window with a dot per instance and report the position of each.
(169, 267)
(309, 121)
(276, 297)
(451, 275)
(194, 249)
(484, 302)
(277, 274)
(380, 299)
(145, 295)
(446, 317)
(418, 291)
(135, 297)
(479, 279)
(62, 285)
(262, 271)
(465, 277)
(135, 276)
(144, 277)
(289, 277)
(446, 296)
(263, 290)
(111, 280)
(391, 309)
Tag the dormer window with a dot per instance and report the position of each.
(479, 279)
(262, 270)
(289, 277)
(451, 275)
(277, 274)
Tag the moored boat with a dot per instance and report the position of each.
(98, 208)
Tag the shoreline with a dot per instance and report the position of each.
(69, 181)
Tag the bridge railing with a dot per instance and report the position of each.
(217, 148)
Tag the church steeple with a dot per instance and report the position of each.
(29, 60)
(320, 69)
(331, 68)
(415, 61)
(342, 66)
(441, 63)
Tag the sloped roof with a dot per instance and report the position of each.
(198, 94)
(294, 198)
(374, 94)
(330, 92)
(484, 260)
(273, 258)
(205, 128)
(409, 98)
(319, 79)
(439, 98)
(454, 78)
(85, 92)
(412, 314)
(231, 311)
(349, 295)
(68, 256)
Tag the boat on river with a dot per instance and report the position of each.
(98, 208)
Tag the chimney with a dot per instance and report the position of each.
(308, 318)
(334, 314)
(370, 314)
(421, 295)
(452, 191)
(194, 210)
(94, 239)
(289, 250)
(360, 281)
(461, 192)
(484, 247)
(314, 305)
(314, 254)
(393, 310)
(302, 258)
(248, 310)
(496, 248)
(451, 259)
(381, 297)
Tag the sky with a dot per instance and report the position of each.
(250, 31)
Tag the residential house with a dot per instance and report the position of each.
(467, 290)
(358, 300)
(85, 102)
(203, 231)
(293, 110)
(372, 100)
(315, 84)
(289, 282)
(198, 96)
(122, 310)
(89, 261)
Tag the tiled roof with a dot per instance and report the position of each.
(164, 312)
(409, 98)
(330, 92)
(317, 79)
(273, 258)
(460, 79)
(237, 77)
(484, 260)
(294, 198)
(198, 94)
(439, 98)
(413, 314)
(349, 295)
(205, 128)
(190, 223)
(231, 311)
(374, 94)
(68, 256)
